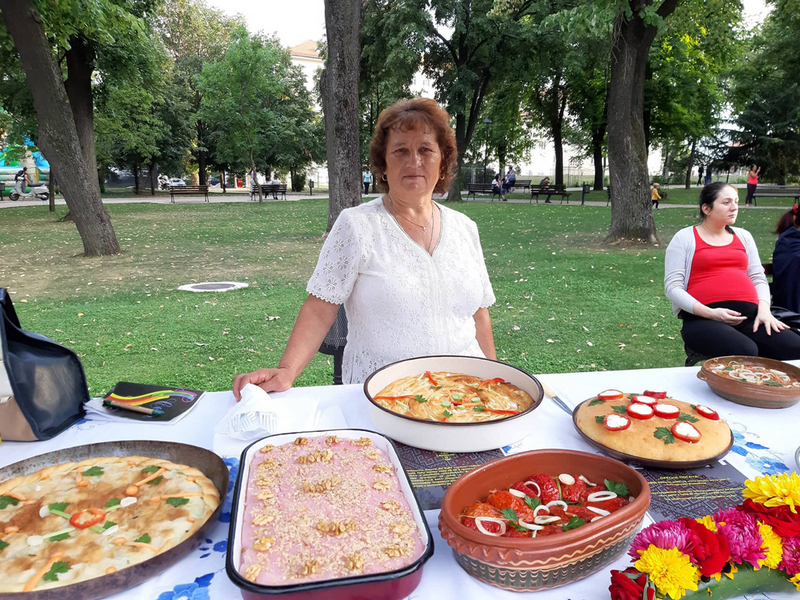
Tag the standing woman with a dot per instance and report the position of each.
(786, 261)
(409, 271)
(752, 183)
(716, 283)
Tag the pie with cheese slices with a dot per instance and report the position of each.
(653, 427)
(79, 520)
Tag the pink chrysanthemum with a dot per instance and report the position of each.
(740, 530)
(664, 535)
(791, 555)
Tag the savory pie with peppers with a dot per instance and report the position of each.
(652, 426)
(76, 521)
(541, 505)
(453, 398)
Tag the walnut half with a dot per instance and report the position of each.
(265, 543)
(252, 572)
(354, 562)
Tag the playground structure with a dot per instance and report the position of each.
(38, 167)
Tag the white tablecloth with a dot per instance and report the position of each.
(765, 442)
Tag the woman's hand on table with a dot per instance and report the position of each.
(269, 380)
(770, 322)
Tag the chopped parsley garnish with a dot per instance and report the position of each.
(728, 369)
(156, 481)
(573, 523)
(3, 544)
(112, 502)
(596, 401)
(478, 409)
(108, 524)
(447, 414)
(599, 419)
(532, 502)
(57, 569)
(59, 537)
(144, 538)
(436, 387)
(92, 472)
(6, 500)
(513, 519)
(620, 409)
(60, 506)
(689, 418)
(620, 489)
(177, 501)
(773, 383)
(420, 398)
(662, 433)
(150, 469)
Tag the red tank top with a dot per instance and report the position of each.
(719, 273)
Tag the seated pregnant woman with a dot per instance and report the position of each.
(716, 283)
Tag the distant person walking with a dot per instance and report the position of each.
(708, 174)
(752, 183)
(700, 175)
(655, 196)
(367, 180)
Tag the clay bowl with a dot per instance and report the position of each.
(751, 394)
(453, 437)
(519, 564)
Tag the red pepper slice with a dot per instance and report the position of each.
(503, 412)
(625, 425)
(689, 434)
(708, 413)
(667, 411)
(81, 520)
(656, 395)
(392, 397)
(430, 378)
(610, 395)
(640, 411)
(488, 381)
(644, 399)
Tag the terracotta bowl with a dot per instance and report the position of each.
(750, 394)
(521, 565)
(453, 437)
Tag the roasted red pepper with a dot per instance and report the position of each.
(488, 381)
(656, 395)
(87, 518)
(430, 378)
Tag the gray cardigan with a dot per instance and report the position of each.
(678, 267)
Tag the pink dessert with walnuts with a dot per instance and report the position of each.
(323, 508)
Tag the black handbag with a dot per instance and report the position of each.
(791, 318)
(42, 383)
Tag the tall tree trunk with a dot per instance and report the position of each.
(153, 179)
(80, 65)
(666, 168)
(456, 185)
(558, 106)
(136, 179)
(598, 135)
(690, 166)
(339, 86)
(58, 135)
(51, 187)
(222, 182)
(631, 209)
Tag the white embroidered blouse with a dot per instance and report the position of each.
(402, 302)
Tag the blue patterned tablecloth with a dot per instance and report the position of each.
(764, 442)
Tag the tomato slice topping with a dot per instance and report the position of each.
(87, 518)
(615, 422)
(610, 395)
(667, 411)
(642, 399)
(656, 395)
(686, 432)
(640, 411)
(708, 413)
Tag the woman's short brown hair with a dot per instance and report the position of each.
(405, 115)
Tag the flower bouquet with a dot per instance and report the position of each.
(752, 547)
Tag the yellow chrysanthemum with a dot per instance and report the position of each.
(671, 571)
(772, 547)
(734, 570)
(709, 522)
(774, 490)
(796, 581)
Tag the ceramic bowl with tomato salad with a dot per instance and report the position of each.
(453, 436)
(563, 551)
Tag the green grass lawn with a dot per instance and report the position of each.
(565, 300)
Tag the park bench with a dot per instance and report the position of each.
(524, 184)
(777, 191)
(268, 189)
(187, 190)
(549, 190)
(480, 188)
